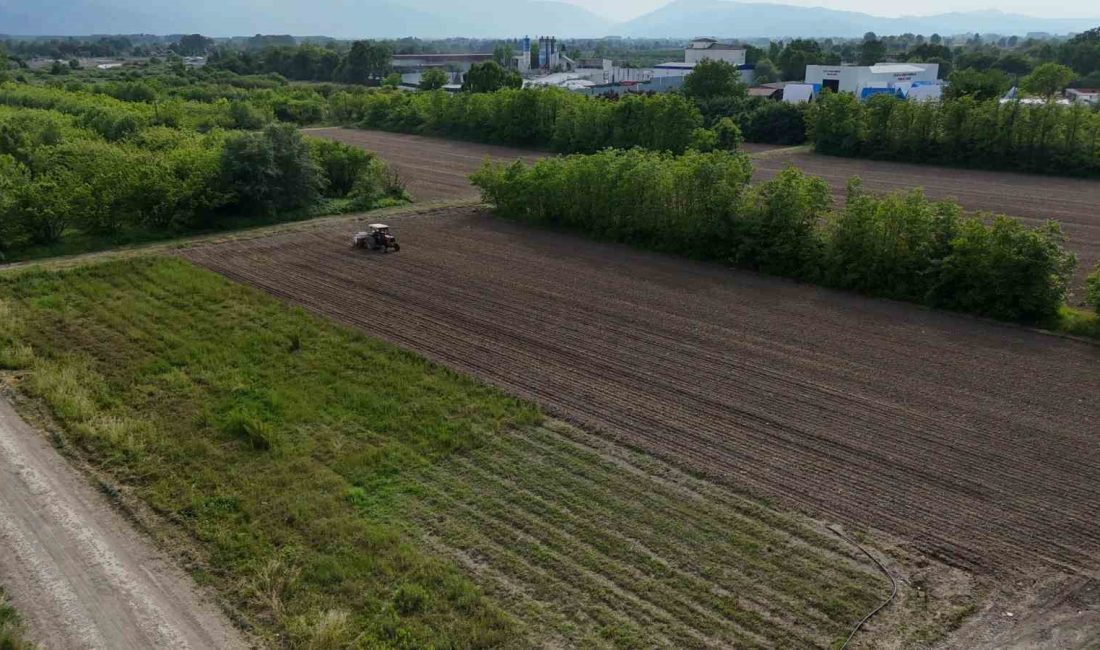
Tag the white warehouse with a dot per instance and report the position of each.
(856, 78)
(701, 49)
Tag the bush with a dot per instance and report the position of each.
(1004, 271)
(889, 246)
(728, 135)
(376, 183)
(1092, 289)
(271, 171)
(777, 229)
(340, 164)
(776, 123)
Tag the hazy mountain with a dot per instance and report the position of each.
(484, 18)
(338, 18)
(687, 18)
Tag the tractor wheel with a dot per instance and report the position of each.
(396, 247)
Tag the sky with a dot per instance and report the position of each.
(626, 9)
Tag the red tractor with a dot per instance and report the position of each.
(376, 237)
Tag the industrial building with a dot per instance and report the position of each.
(866, 80)
(702, 49)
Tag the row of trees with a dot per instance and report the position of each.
(59, 175)
(548, 118)
(365, 62)
(1045, 138)
(702, 205)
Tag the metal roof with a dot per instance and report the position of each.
(896, 68)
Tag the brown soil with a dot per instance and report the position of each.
(434, 168)
(972, 440)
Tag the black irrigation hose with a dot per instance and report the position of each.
(882, 568)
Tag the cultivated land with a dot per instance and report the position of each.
(335, 490)
(435, 168)
(973, 440)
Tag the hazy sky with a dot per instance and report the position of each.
(624, 9)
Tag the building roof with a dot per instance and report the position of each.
(896, 68)
(703, 39)
(443, 57)
(762, 91)
(723, 46)
(676, 65)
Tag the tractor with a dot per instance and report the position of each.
(376, 237)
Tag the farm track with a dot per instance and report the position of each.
(972, 440)
(435, 168)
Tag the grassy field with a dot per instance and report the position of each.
(11, 627)
(343, 493)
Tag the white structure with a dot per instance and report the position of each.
(858, 79)
(1083, 95)
(798, 93)
(703, 49)
(708, 48)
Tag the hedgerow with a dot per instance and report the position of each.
(550, 118)
(1046, 138)
(701, 205)
(91, 165)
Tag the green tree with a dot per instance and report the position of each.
(798, 54)
(271, 170)
(1047, 80)
(1013, 63)
(872, 51)
(765, 72)
(489, 77)
(979, 84)
(433, 79)
(503, 54)
(392, 80)
(711, 79)
(192, 45)
(366, 62)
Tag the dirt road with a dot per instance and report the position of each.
(434, 168)
(975, 441)
(77, 571)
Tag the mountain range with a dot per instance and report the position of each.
(487, 19)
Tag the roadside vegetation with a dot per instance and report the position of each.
(11, 627)
(342, 492)
(81, 170)
(900, 246)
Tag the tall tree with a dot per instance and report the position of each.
(366, 62)
(710, 79)
(433, 79)
(1047, 80)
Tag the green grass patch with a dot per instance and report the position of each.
(343, 493)
(11, 627)
(1078, 322)
(273, 438)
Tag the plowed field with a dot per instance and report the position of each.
(434, 168)
(975, 441)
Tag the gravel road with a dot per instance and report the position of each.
(77, 571)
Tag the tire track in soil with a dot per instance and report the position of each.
(976, 441)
